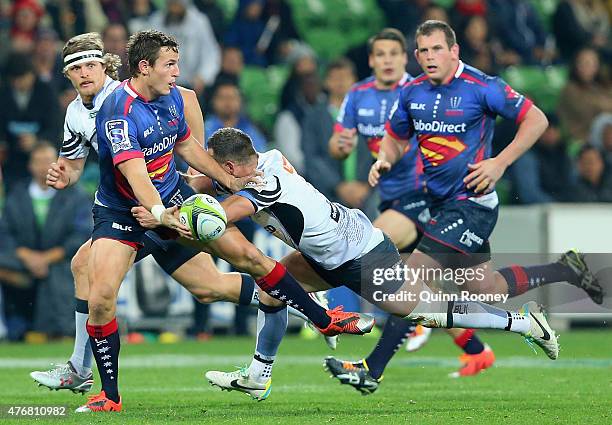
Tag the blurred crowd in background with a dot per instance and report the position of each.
(279, 70)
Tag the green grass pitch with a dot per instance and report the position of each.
(165, 384)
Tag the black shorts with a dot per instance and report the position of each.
(160, 242)
(357, 274)
(413, 205)
(458, 233)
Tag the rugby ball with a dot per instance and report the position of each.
(204, 216)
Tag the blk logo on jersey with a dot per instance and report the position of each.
(440, 149)
(117, 134)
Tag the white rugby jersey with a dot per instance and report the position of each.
(80, 123)
(298, 214)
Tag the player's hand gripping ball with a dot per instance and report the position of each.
(204, 216)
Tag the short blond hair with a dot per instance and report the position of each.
(93, 41)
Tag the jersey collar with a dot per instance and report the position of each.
(132, 91)
(405, 78)
(107, 81)
(458, 72)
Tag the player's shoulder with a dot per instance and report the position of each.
(177, 93)
(412, 84)
(270, 162)
(364, 85)
(119, 102)
(405, 80)
(75, 109)
(474, 77)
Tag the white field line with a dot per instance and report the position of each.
(206, 361)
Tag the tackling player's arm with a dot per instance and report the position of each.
(237, 207)
(65, 172)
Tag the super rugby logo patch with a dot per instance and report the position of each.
(117, 134)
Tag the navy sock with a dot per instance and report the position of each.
(282, 286)
(521, 279)
(105, 343)
(393, 336)
(469, 342)
(246, 290)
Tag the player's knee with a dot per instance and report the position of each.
(101, 301)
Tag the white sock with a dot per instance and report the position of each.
(260, 369)
(477, 315)
(467, 314)
(82, 355)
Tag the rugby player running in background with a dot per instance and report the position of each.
(451, 110)
(403, 208)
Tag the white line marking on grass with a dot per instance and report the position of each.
(229, 361)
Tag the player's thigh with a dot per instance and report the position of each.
(303, 272)
(109, 261)
(398, 227)
(200, 276)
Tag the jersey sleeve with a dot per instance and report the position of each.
(183, 128)
(501, 99)
(74, 145)
(346, 118)
(399, 125)
(120, 134)
(264, 195)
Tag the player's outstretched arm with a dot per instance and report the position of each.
(65, 172)
(135, 171)
(485, 174)
(195, 155)
(199, 182)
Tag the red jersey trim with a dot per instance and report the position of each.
(125, 156)
(524, 109)
(186, 136)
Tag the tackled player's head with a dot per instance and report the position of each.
(436, 50)
(233, 150)
(153, 57)
(387, 56)
(86, 65)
